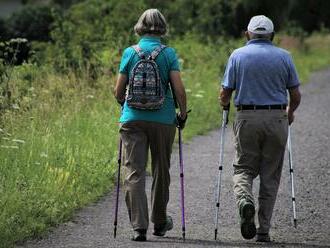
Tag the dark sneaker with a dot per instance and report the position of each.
(247, 212)
(263, 237)
(140, 235)
(160, 230)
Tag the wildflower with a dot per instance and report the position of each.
(89, 96)
(43, 155)
(5, 138)
(15, 106)
(188, 90)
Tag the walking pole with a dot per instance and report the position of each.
(291, 179)
(182, 186)
(225, 113)
(118, 184)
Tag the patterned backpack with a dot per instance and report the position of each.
(145, 89)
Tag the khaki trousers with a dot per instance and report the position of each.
(137, 138)
(260, 140)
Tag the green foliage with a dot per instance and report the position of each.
(204, 18)
(32, 22)
(66, 3)
(62, 3)
(86, 28)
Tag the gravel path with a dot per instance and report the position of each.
(93, 225)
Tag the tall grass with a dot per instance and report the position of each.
(58, 146)
(56, 157)
(313, 55)
(202, 68)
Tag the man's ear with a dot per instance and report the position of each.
(272, 36)
(247, 35)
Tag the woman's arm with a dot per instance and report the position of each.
(179, 92)
(120, 88)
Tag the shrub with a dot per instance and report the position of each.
(87, 29)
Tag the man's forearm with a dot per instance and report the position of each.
(225, 95)
(295, 98)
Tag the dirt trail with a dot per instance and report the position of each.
(93, 225)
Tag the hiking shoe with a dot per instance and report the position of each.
(263, 237)
(160, 230)
(247, 212)
(140, 235)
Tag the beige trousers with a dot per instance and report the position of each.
(137, 138)
(260, 140)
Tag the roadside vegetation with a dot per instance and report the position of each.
(58, 117)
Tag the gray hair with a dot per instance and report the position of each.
(151, 22)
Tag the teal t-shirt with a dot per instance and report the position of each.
(167, 61)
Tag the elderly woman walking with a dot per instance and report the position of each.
(149, 76)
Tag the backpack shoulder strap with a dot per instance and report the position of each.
(157, 51)
(139, 51)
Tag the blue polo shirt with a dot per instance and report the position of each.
(167, 61)
(260, 73)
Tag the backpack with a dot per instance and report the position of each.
(145, 89)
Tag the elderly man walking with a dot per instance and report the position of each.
(261, 74)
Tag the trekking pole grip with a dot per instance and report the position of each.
(225, 114)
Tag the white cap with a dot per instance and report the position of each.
(260, 24)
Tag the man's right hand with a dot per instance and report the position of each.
(290, 117)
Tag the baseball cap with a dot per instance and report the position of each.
(260, 24)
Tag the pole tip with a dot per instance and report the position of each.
(295, 223)
(114, 232)
(184, 236)
(215, 234)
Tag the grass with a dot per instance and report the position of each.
(54, 159)
(58, 148)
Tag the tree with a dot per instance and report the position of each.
(32, 22)
(311, 14)
(3, 30)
